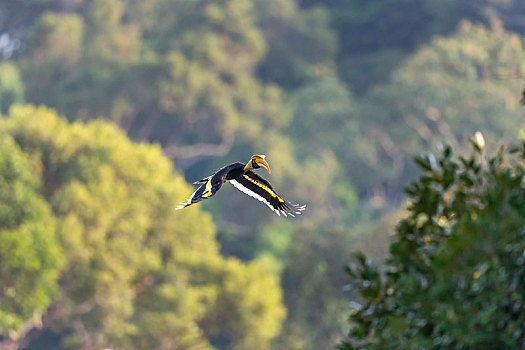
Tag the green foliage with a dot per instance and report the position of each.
(30, 257)
(455, 277)
(183, 75)
(171, 80)
(321, 110)
(136, 273)
(11, 87)
(374, 37)
(314, 320)
(245, 311)
(301, 44)
(444, 93)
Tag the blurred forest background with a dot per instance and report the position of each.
(110, 107)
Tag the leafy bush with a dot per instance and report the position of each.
(455, 278)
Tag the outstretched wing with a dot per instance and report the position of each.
(257, 187)
(209, 187)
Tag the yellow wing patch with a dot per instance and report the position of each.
(207, 191)
(264, 187)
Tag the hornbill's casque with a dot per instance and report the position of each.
(244, 179)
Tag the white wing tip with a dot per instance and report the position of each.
(297, 209)
(183, 205)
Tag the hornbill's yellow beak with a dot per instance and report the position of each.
(259, 160)
(263, 163)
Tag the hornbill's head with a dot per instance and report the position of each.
(256, 162)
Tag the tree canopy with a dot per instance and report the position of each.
(134, 272)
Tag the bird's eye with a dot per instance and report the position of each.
(254, 164)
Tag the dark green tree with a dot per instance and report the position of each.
(455, 276)
(374, 37)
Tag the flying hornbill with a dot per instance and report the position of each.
(244, 179)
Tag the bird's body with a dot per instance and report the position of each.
(245, 180)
